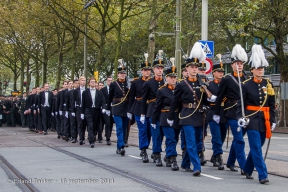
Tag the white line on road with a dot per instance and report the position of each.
(210, 176)
(134, 157)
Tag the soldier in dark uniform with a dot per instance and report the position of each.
(134, 107)
(258, 105)
(190, 95)
(77, 98)
(22, 109)
(229, 88)
(147, 107)
(164, 99)
(13, 111)
(118, 97)
(218, 131)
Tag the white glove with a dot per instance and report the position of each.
(212, 99)
(108, 112)
(60, 112)
(142, 119)
(52, 114)
(273, 126)
(82, 116)
(170, 122)
(103, 111)
(243, 122)
(56, 113)
(73, 114)
(129, 115)
(66, 114)
(154, 126)
(216, 118)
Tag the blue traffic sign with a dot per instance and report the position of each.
(208, 47)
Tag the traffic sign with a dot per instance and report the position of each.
(208, 47)
(209, 65)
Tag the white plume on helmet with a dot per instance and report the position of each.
(198, 52)
(257, 58)
(238, 53)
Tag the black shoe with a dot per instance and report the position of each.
(122, 152)
(145, 158)
(65, 138)
(187, 169)
(243, 172)
(126, 145)
(108, 142)
(74, 141)
(219, 161)
(202, 158)
(249, 176)
(174, 165)
(213, 161)
(232, 168)
(58, 136)
(142, 152)
(263, 181)
(81, 142)
(92, 145)
(196, 173)
(153, 157)
(158, 160)
(100, 141)
(168, 161)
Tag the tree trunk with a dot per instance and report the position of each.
(28, 79)
(59, 68)
(44, 66)
(22, 76)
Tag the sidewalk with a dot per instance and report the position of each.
(281, 130)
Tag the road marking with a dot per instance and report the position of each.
(210, 176)
(134, 157)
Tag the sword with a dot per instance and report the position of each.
(267, 149)
(227, 139)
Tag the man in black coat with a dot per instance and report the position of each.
(92, 101)
(107, 120)
(45, 104)
(62, 104)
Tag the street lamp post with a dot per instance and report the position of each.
(204, 29)
(177, 34)
(85, 42)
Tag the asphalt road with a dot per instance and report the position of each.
(34, 162)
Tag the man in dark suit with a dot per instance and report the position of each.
(30, 109)
(107, 120)
(45, 103)
(92, 101)
(77, 99)
(69, 94)
(62, 104)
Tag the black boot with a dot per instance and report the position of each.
(220, 162)
(158, 160)
(168, 161)
(213, 160)
(174, 165)
(153, 156)
(144, 156)
(143, 151)
(202, 158)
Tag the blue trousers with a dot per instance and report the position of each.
(223, 131)
(191, 154)
(170, 142)
(216, 138)
(144, 133)
(199, 138)
(157, 137)
(238, 145)
(255, 158)
(182, 138)
(121, 124)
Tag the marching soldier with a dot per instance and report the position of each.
(258, 106)
(77, 99)
(147, 107)
(182, 135)
(134, 107)
(190, 94)
(217, 130)
(229, 88)
(45, 104)
(118, 97)
(164, 99)
(92, 101)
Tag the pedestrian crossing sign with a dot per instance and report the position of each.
(208, 47)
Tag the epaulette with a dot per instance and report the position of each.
(246, 81)
(163, 86)
(226, 75)
(268, 80)
(179, 80)
(135, 79)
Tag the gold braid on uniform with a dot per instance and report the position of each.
(194, 110)
(124, 98)
(270, 89)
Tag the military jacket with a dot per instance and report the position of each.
(149, 96)
(164, 99)
(213, 88)
(135, 96)
(228, 88)
(118, 99)
(22, 104)
(254, 95)
(184, 95)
